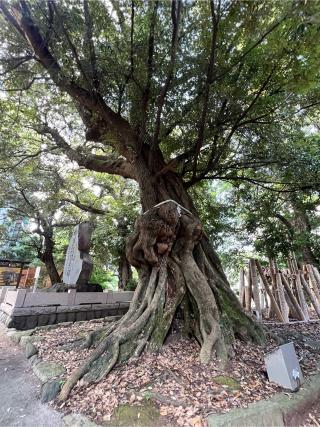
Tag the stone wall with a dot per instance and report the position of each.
(23, 309)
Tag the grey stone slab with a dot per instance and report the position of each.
(30, 350)
(78, 420)
(71, 316)
(69, 308)
(33, 360)
(30, 338)
(81, 315)
(46, 370)
(52, 318)
(33, 311)
(283, 366)
(50, 390)
(62, 317)
(90, 315)
(262, 415)
(16, 335)
(43, 319)
(31, 322)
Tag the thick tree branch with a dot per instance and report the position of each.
(15, 63)
(90, 45)
(150, 65)
(90, 161)
(175, 16)
(70, 43)
(216, 156)
(115, 123)
(286, 222)
(263, 183)
(209, 80)
(84, 207)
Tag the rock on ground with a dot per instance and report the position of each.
(78, 420)
(50, 390)
(47, 370)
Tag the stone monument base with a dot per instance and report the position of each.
(44, 316)
(22, 309)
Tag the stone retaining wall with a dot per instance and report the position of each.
(23, 309)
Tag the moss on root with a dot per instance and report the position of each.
(229, 382)
(236, 323)
(135, 416)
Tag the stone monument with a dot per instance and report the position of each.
(78, 264)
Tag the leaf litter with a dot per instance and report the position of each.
(184, 390)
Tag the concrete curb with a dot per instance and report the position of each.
(274, 412)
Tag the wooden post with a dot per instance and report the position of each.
(273, 270)
(262, 294)
(282, 299)
(290, 265)
(313, 281)
(301, 297)
(248, 291)
(242, 288)
(292, 298)
(255, 288)
(269, 292)
(294, 262)
(316, 274)
(311, 295)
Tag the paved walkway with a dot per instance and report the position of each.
(19, 391)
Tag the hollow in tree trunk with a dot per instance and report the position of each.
(178, 268)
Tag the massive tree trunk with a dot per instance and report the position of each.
(180, 275)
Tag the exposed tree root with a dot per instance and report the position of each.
(173, 268)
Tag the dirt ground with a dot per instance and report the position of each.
(177, 388)
(19, 391)
(183, 391)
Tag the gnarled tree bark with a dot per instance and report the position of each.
(178, 268)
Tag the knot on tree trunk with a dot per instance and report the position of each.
(157, 230)
(172, 274)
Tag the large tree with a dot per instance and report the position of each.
(169, 94)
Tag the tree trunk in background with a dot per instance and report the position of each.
(303, 229)
(300, 227)
(124, 271)
(47, 258)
